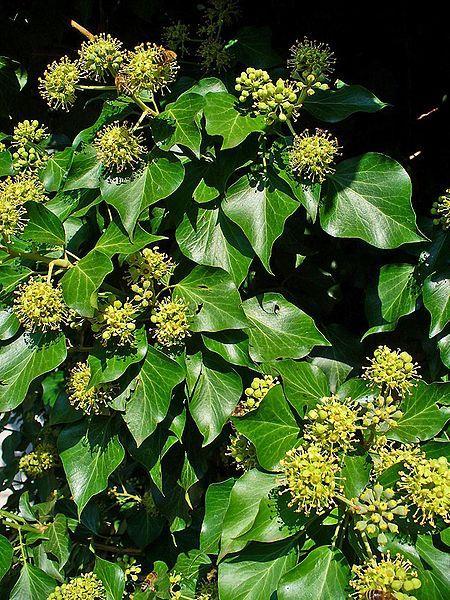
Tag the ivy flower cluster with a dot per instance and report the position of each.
(333, 424)
(312, 155)
(441, 210)
(40, 306)
(382, 414)
(116, 321)
(59, 83)
(386, 454)
(242, 452)
(387, 574)
(391, 371)
(177, 36)
(170, 318)
(85, 587)
(100, 55)
(82, 396)
(130, 567)
(118, 147)
(14, 193)
(29, 132)
(42, 459)
(254, 394)
(312, 63)
(150, 264)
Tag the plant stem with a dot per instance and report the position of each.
(291, 128)
(96, 87)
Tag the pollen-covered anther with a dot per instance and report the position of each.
(82, 396)
(171, 322)
(333, 423)
(310, 476)
(59, 83)
(394, 575)
(391, 370)
(148, 67)
(40, 306)
(441, 210)
(85, 587)
(277, 101)
(150, 264)
(101, 55)
(116, 322)
(427, 486)
(254, 394)
(313, 154)
(118, 147)
(42, 459)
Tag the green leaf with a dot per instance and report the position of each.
(398, 291)
(33, 584)
(150, 401)
(84, 171)
(112, 577)
(161, 177)
(355, 474)
(9, 325)
(90, 452)
(208, 238)
(6, 163)
(444, 349)
(223, 118)
(438, 561)
(43, 226)
(216, 505)
(215, 395)
(58, 543)
(260, 209)
(179, 124)
(56, 169)
(108, 364)
(213, 299)
(271, 428)
(10, 277)
(278, 329)
(6, 555)
(25, 359)
(422, 419)
(256, 572)
(337, 104)
(303, 383)
(231, 346)
(369, 197)
(436, 297)
(322, 575)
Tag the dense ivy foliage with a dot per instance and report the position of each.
(189, 408)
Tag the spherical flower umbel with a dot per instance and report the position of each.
(382, 414)
(150, 264)
(25, 187)
(100, 55)
(148, 503)
(394, 575)
(310, 476)
(333, 423)
(390, 454)
(118, 147)
(88, 399)
(171, 322)
(85, 587)
(242, 452)
(312, 155)
(149, 67)
(377, 508)
(249, 82)
(176, 36)
(59, 83)
(276, 101)
(40, 306)
(29, 132)
(42, 459)
(427, 486)
(11, 210)
(254, 394)
(311, 58)
(28, 158)
(117, 322)
(391, 370)
(441, 210)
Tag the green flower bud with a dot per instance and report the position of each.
(150, 264)
(116, 320)
(334, 424)
(28, 132)
(242, 452)
(42, 459)
(176, 37)
(254, 394)
(441, 208)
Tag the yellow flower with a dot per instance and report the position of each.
(85, 587)
(310, 477)
(249, 82)
(116, 321)
(254, 394)
(149, 67)
(427, 486)
(441, 210)
(29, 132)
(333, 423)
(40, 307)
(391, 370)
(171, 323)
(143, 293)
(242, 452)
(389, 454)
(394, 575)
(312, 155)
(382, 414)
(83, 397)
(59, 83)
(100, 56)
(118, 147)
(150, 264)
(42, 459)
(277, 101)
(130, 567)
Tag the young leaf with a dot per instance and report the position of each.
(436, 297)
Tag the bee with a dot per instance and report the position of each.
(149, 582)
(166, 56)
(121, 82)
(379, 595)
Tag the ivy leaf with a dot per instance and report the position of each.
(398, 291)
(179, 124)
(260, 209)
(231, 345)
(304, 384)
(422, 419)
(271, 428)
(150, 401)
(90, 452)
(161, 177)
(216, 505)
(224, 118)
(444, 349)
(58, 543)
(336, 105)
(208, 238)
(56, 169)
(355, 475)
(279, 329)
(112, 577)
(369, 197)
(25, 359)
(436, 297)
(43, 226)
(6, 555)
(6, 164)
(256, 572)
(33, 584)
(84, 171)
(322, 575)
(9, 325)
(213, 299)
(215, 395)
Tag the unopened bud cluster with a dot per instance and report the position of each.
(149, 505)
(85, 587)
(82, 396)
(254, 394)
(391, 575)
(312, 63)
(29, 132)
(333, 424)
(42, 459)
(312, 155)
(441, 210)
(40, 306)
(242, 452)
(382, 414)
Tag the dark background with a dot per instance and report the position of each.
(399, 52)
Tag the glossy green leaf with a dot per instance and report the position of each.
(59, 543)
(231, 345)
(303, 383)
(436, 297)
(6, 554)
(398, 291)
(112, 577)
(84, 171)
(33, 584)
(43, 226)
(355, 475)
(9, 324)
(56, 169)
(216, 505)
(179, 124)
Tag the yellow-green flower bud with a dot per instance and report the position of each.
(242, 452)
(311, 61)
(116, 322)
(40, 307)
(42, 459)
(427, 486)
(390, 454)
(382, 414)
(15, 191)
(249, 82)
(130, 567)
(143, 293)
(28, 158)
(150, 264)
(100, 56)
(394, 575)
(89, 399)
(313, 155)
(333, 423)
(391, 370)
(276, 101)
(254, 394)
(85, 587)
(310, 476)
(171, 322)
(148, 67)
(59, 83)
(28, 132)
(441, 210)
(118, 147)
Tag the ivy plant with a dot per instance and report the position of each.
(189, 291)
